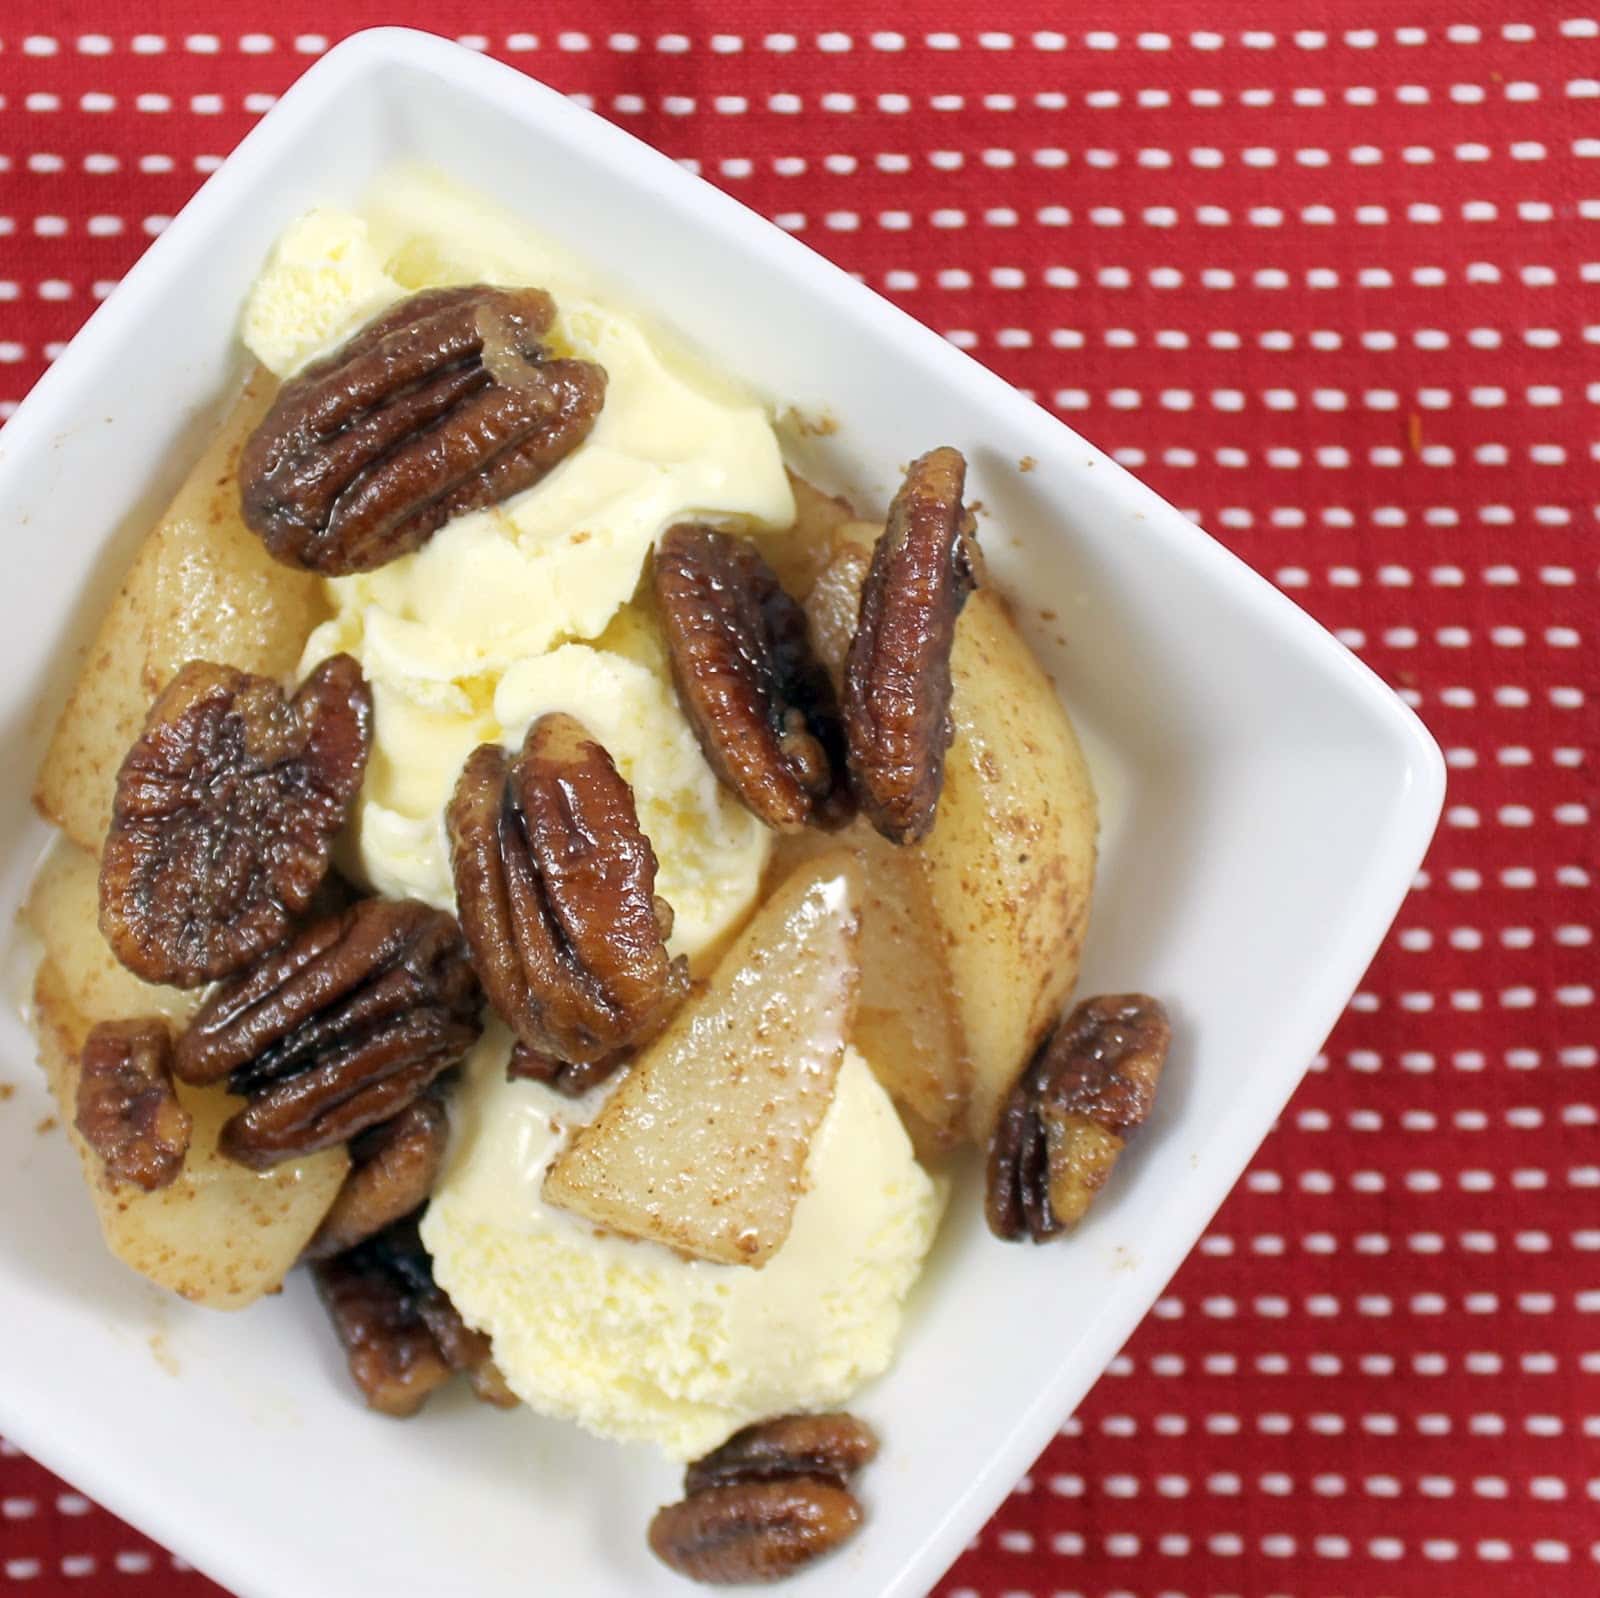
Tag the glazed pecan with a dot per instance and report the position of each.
(393, 1167)
(829, 1447)
(392, 1356)
(555, 883)
(127, 1111)
(371, 1298)
(770, 1500)
(339, 1029)
(401, 1334)
(1071, 1112)
(445, 403)
(225, 812)
(897, 673)
(755, 1531)
(565, 1076)
(760, 701)
(464, 1349)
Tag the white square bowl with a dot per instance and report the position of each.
(1266, 801)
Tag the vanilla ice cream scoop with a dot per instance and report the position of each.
(470, 637)
(530, 606)
(323, 279)
(635, 1342)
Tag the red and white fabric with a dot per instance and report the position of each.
(1328, 276)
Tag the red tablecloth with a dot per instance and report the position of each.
(1327, 275)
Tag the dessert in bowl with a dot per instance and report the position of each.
(565, 879)
(1264, 801)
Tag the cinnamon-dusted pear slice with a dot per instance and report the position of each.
(1011, 861)
(1008, 869)
(906, 1026)
(63, 904)
(703, 1147)
(219, 1235)
(201, 587)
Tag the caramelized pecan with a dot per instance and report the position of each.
(771, 1499)
(1071, 1112)
(445, 403)
(339, 1029)
(556, 887)
(897, 672)
(371, 1300)
(565, 1076)
(760, 701)
(464, 1349)
(401, 1334)
(127, 1111)
(393, 1167)
(755, 1530)
(224, 816)
(392, 1356)
(828, 1447)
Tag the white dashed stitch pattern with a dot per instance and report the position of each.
(1323, 278)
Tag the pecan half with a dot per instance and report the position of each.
(400, 1331)
(1071, 1112)
(127, 1111)
(339, 1029)
(829, 1447)
(445, 403)
(464, 1349)
(392, 1356)
(224, 817)
(755, 1531)
(770, 1500)
(760, 701)
(555, 882)
(401, 1334)
(393, 1167)
(565, 1076)
(897, 672)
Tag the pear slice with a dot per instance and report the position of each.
(1011, 860)
(201, 587)
(1003, 882)
(703, 1147)
(220, 1235)
(906, 1021)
